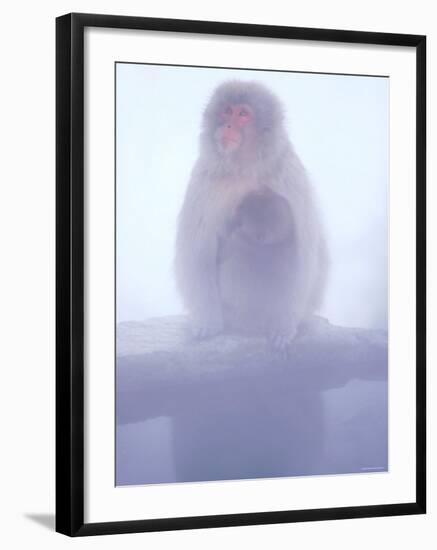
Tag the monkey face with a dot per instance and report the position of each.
(263, 219)
(234, 120)
(255, 232)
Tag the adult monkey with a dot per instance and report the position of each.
(245, 151)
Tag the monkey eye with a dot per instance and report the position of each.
(243, 112)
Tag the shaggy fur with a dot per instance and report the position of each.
(256, 288)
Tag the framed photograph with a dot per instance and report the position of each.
(240, 274)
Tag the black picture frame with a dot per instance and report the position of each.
(70, 272)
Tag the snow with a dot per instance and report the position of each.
(231, 408)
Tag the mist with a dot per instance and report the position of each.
(339, 127)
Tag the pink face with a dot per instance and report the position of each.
(233, 119)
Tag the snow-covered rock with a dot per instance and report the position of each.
(236, 409)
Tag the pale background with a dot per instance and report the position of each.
(340, 128)
(27, 289)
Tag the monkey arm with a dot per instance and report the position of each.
(196, 270)
(307, 258)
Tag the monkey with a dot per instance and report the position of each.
(246, 175)
(251, 259)
(262, 218)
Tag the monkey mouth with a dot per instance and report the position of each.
(228, 145)
(226, 141)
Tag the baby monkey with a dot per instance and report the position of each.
(263, 218)
(255, 265)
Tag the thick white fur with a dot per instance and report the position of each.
(219, 181)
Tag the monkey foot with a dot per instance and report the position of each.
(280, 341)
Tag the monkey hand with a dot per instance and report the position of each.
(208, 326)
